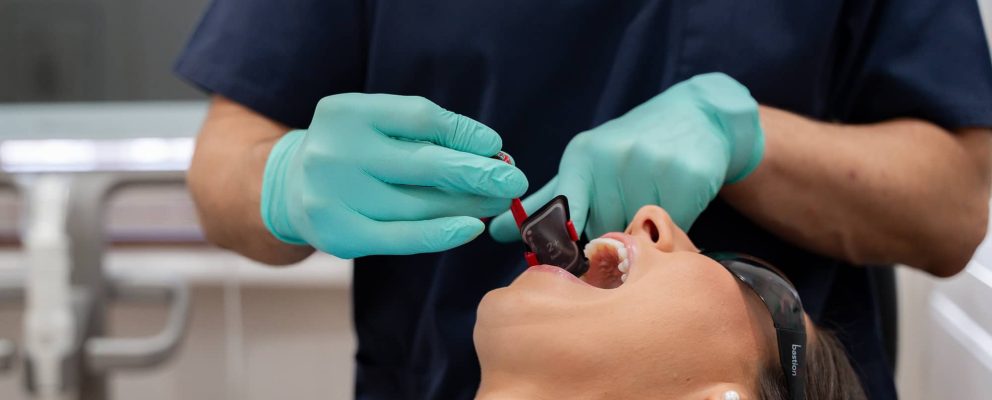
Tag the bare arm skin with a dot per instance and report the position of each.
(902, 191)
(225, 179)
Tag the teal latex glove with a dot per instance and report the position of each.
(385, 174)
(676, 150)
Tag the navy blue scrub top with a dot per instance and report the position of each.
(539, 72)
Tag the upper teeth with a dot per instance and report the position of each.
(623, 264)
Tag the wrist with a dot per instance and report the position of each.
(735, 114)
(276, 189)
(747, 149)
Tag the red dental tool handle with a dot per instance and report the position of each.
(519, 214)
(516, 207)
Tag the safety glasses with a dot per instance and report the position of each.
(782, 301)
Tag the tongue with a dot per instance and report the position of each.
(603, 272)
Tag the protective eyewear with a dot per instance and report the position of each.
(782, 301)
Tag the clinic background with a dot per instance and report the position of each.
(75, 74)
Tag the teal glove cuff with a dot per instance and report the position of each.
(275, 214)
(736, 113)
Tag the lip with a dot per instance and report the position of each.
(551, 269)
(628, 243)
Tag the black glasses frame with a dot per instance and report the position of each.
(782, 301)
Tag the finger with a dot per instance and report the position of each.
(576, 185)
(504, 228)
(636, 194)
(416, 118)
(687, 194)
(606, 208)
(415, 203)
(425, 164)
(413, 237)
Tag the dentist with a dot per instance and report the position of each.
(821, 136)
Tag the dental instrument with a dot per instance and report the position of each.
(548, 234)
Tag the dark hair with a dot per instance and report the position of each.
(829, 374)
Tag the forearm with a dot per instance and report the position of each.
(225, 179)
(902, 191)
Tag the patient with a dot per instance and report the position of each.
(671, 324)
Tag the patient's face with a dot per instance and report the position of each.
(677, 324)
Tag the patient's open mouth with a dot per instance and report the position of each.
(609, 263)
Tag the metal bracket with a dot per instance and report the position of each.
(104, 354)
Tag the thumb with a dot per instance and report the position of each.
(410, 237)
(575, 187)
(504, 228)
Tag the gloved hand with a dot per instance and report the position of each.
(385, 174)
(676, 150)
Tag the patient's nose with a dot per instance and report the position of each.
(654, 224)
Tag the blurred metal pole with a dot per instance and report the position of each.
(85, 227)
(50, 328)
(11, 291)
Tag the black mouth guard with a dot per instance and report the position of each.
(551, 238)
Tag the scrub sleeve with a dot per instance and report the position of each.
(278, 58)
(918, 59)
